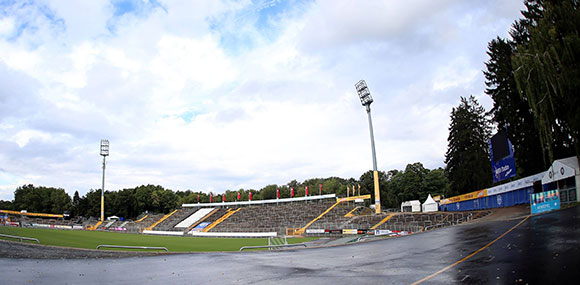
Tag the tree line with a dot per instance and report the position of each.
(413, 183)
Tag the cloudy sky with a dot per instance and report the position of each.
(216, 95)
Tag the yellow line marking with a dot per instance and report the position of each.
(349, 214)
(383, 221)
(321, 215)
(469, 256)
(223, 218)
(31, 214)
(145, 217)
(160, 220)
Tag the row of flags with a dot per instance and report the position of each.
(353, 190)
(348, 189)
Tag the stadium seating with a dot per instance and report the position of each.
(169, 223)
(273, 217)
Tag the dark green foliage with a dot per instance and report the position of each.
(130, 203)
(534, 82)
(41, 199)
(512, 111)
(6, 205)
(467, 158)
(414, 183)
(547, 71)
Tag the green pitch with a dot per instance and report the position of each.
(90, 240)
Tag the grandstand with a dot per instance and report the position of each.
(272, 217)
(321, 215)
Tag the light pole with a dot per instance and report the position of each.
(366, 99)
(104, 153)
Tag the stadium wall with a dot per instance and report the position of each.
(510, 194)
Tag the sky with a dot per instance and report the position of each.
(223, 95)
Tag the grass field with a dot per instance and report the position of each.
(90, 240)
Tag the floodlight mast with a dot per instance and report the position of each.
(366, 99)
(104, 153)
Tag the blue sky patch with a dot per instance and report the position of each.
(137, 8)
(262, 18)
(29, 15)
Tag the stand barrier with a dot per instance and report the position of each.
(132, 247)
(20, 238)
(270, 246)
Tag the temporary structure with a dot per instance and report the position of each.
(430, 205)
(411, 206)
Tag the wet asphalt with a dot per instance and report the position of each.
(543, 249)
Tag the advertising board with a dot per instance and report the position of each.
(201, 226)
(382, 232)
(545, 201)
(503, 165)
(315, 231)
(465, 197)
(349, 231)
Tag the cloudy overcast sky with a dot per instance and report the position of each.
(216, 95)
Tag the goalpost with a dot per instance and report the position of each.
(277, 240)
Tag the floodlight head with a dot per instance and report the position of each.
(363, 93)
(104, 147)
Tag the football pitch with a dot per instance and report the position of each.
(91, 239)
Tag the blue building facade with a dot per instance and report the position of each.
(510, 194)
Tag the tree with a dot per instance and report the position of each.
(268, 192)
(510, 109)
(41, 199)
(60, 201)
(467, 160)
(436, 183)
(546, 70)
(6, 205)
(93, 203)
(76, 201)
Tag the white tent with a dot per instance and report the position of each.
(411, 206)
(430, 205)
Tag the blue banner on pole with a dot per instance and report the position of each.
(545, 201)
(505, 167)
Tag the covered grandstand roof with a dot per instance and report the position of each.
(561, 169)
(260, 202)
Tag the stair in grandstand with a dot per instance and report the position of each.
(336, 215)
(202, 219)
(108, 224)
(169, 223)
(268, 218)
(228, 213)
(160, 220)
(412, 222)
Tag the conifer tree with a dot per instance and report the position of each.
(467, 159)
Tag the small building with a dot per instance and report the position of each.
(430, 205)
(411, 206)
(564, 176)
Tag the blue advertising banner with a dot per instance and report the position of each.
(545, 201)
(504, 168)
(201, 226)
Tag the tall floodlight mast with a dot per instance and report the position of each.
(104, 153)
(366, 99)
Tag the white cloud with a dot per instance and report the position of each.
(218, 95)
(6, 26)
(182, 59)
(459, 72)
